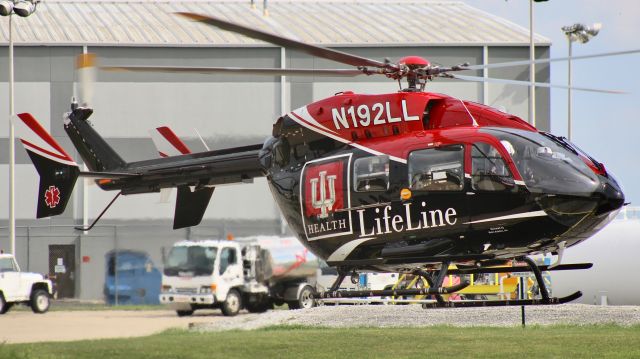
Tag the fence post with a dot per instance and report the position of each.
(28, 249)
(115, 262)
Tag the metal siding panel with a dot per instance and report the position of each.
(26, 189)
(131, 22)
(105, 29)
(146, 22)
(166, 26)
(50, 18)
(358, 24)
(112, 17)
(194, 31)
(73, 16)
(228, 109)
(30, 97)
(330, 23)
(85, 22)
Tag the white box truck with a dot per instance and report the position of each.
(234, 274)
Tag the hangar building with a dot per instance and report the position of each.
(226, 110)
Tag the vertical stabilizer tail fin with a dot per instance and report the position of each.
(58, 171)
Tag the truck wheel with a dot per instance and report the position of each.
(305, 299)
(39, 301)
(4, 306)
(184, 313)
(232, 305)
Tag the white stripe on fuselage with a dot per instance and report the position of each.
(294, 115)
(303, 112)
(343, 252)
(511, 216)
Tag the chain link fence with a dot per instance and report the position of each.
(117, 263)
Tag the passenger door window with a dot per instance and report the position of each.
(371, 174)
(489, 171)
(437, 169)
(227, 258)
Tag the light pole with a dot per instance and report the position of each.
(22, 9)
(581, 33)
(532, 66)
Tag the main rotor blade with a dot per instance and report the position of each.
(527, 83)
(237, 70)
(319, 51)
(544, 61)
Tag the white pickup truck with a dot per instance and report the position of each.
(32, 289)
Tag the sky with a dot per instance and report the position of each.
(605, 126)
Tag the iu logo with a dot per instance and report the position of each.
(324, 203)
(324, 194)
(52, 196)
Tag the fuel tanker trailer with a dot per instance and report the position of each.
(253, 273)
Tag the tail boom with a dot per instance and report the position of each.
(195, 174)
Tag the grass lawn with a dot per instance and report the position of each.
(302, 342)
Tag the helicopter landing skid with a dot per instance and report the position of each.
(390, 292)
(504, 303)
(434, 304)
(435, 280)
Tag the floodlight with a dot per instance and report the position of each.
(24, 8)
(6, 7)
(581, 32)
(594, 29)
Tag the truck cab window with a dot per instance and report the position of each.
(227, 258)
(489, 171)
(371, 174)
(196, 260)
(437, 169)
(7, 265)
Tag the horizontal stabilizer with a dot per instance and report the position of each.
(191, 205)
(168, 143)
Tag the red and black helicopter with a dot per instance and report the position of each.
(405, 182)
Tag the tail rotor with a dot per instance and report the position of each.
(86, 71)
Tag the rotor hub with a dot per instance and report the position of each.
(414, 62)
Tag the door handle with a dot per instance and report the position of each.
(471, 193)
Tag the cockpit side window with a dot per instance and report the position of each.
(371, 174)
(437, 169)
(489, 171)
(282, 152)
(426, 116)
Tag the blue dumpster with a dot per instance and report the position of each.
(138, 280)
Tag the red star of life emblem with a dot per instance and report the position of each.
(52, 196)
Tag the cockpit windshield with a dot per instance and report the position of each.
(547, 165)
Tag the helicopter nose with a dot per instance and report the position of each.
(612, 197)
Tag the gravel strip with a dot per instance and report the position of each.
(385, 316)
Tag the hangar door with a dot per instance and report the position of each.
(62, 267)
